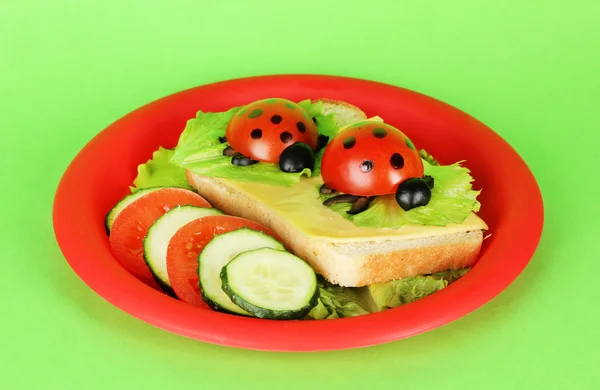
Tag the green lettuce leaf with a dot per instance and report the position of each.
(325, 123)
(200, 150)
(340, 302)
(400, 292)
(160, 172)
(199, 142)
(452, 200)
(318, 312)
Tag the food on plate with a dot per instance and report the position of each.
(218, 253)
(371, 158)
(157, 239)
(185, 246)
(126, 201)
(274, 131)
(328, 213)
(131, 225)
(271, 283)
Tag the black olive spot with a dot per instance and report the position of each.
(322, 142)
(301, 127)
(222, 140)
(366, 166)
(379, 132)
(255, 113)
(349, 142)
(276, 119)
(286, 137)
(410, 144)
(314, 119)
(397, 161)
(256, 134)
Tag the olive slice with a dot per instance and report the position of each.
(326, 190)
(230, 152)
(360, 205)
(242, 161)
(343, 198)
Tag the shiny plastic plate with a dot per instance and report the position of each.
(95, 181)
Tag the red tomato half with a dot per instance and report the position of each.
(132, 224)
(370, 158)
(263, 129)
(189, 241)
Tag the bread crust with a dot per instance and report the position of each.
(346, 263)
(344, 112)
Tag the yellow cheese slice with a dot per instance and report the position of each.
(300, 204)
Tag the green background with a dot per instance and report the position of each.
(529, 71)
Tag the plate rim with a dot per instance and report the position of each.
(137, 294)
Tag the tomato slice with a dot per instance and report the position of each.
(189, 241)
(263, 129)
(132, 224)
(370, 158)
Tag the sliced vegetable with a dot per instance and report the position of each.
(126, 201)
(263, 129)
(160, 233)
(185, 246)
(132, 224)
(271, 283)
(217, 253)
(370, 158)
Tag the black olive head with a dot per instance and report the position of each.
(296, 157)
(413, 193)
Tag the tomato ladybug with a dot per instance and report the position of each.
(273, 131)
(371, 158)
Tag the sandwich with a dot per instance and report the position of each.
(379, 220)
(350, 250)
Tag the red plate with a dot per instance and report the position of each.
(93, 183)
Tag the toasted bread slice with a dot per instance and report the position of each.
(349, 262)
(352, 263)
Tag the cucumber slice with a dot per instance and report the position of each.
(160, 233)
(126, 201)
(271, 283)
(217, 253)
